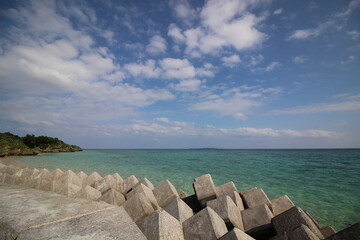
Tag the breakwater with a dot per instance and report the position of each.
(161, 212)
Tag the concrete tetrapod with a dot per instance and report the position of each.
(146, 182)
(225, 189)
(83, 176)
(88, 192)
(138, 207)
(205, 189)
(281, 204)
(179, 210)
(206, 224)
(225, 207)
(160, 225)
(92, 178)
(165, 193)
(254, 197)
(113, 197)
(236, 234)
(141, 188)
(129, 183)
(293, 218)
(257, 221)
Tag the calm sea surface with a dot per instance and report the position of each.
(324, 182)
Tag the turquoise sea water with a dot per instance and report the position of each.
(323, 182)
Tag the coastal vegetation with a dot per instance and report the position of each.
(11, 145)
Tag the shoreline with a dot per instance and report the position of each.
(9, 161)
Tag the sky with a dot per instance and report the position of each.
(182, 74)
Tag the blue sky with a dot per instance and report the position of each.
(182, 74)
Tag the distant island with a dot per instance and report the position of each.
(13, 145)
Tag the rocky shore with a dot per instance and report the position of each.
(13, 145)
(161, 212)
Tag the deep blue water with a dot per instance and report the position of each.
(323, 182)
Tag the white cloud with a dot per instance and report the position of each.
(187, 85)
(145, 70)
(177, 68)
(355, 35)
(183, 10)
(270, 67)
(299, 59)
(304, 34)
(349, 9)
(224, 23)
(323, 107)
(208, 70)
(157, 45)
(231, 61)
(255, 60)
(236, 102)
(167, 127)
(336, 21)
(278, 11)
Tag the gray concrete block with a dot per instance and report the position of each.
(113, 197)
(147, 192)
(117, 177)
(225, 207)
(106, 183)
(206, 224)
(350, 233)
(160, 225)
(205, 189)
(83, 176)
(327, 231)
(70, 177)
(57, 173)
(138, 207)
(235, 196)
(256, 218)
(254, 197)
(281, 204)
(301, 233)
(88, 192)
(179, 210)
(165, 193)
(67, 189)
(21, 208)
(92, 178)
(146, 182)
(236, 234)
(225, 189)
(293, 218)
(129, 183)
(100, 225)
(182, 195)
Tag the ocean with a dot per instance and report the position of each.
(325, 183)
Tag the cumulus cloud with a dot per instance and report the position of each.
(157, 45)
(278, 11)
(177, 68)
(323, 107)
(299, 59)
(50, 70)
(231, 61)
(145, 70)
(224, 23)
(187, 85)
(236, 102)
(166, 127)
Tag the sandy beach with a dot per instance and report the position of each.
(10, 161)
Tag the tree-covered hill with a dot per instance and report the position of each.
(11, 144)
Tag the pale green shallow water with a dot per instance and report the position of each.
(323, 182)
